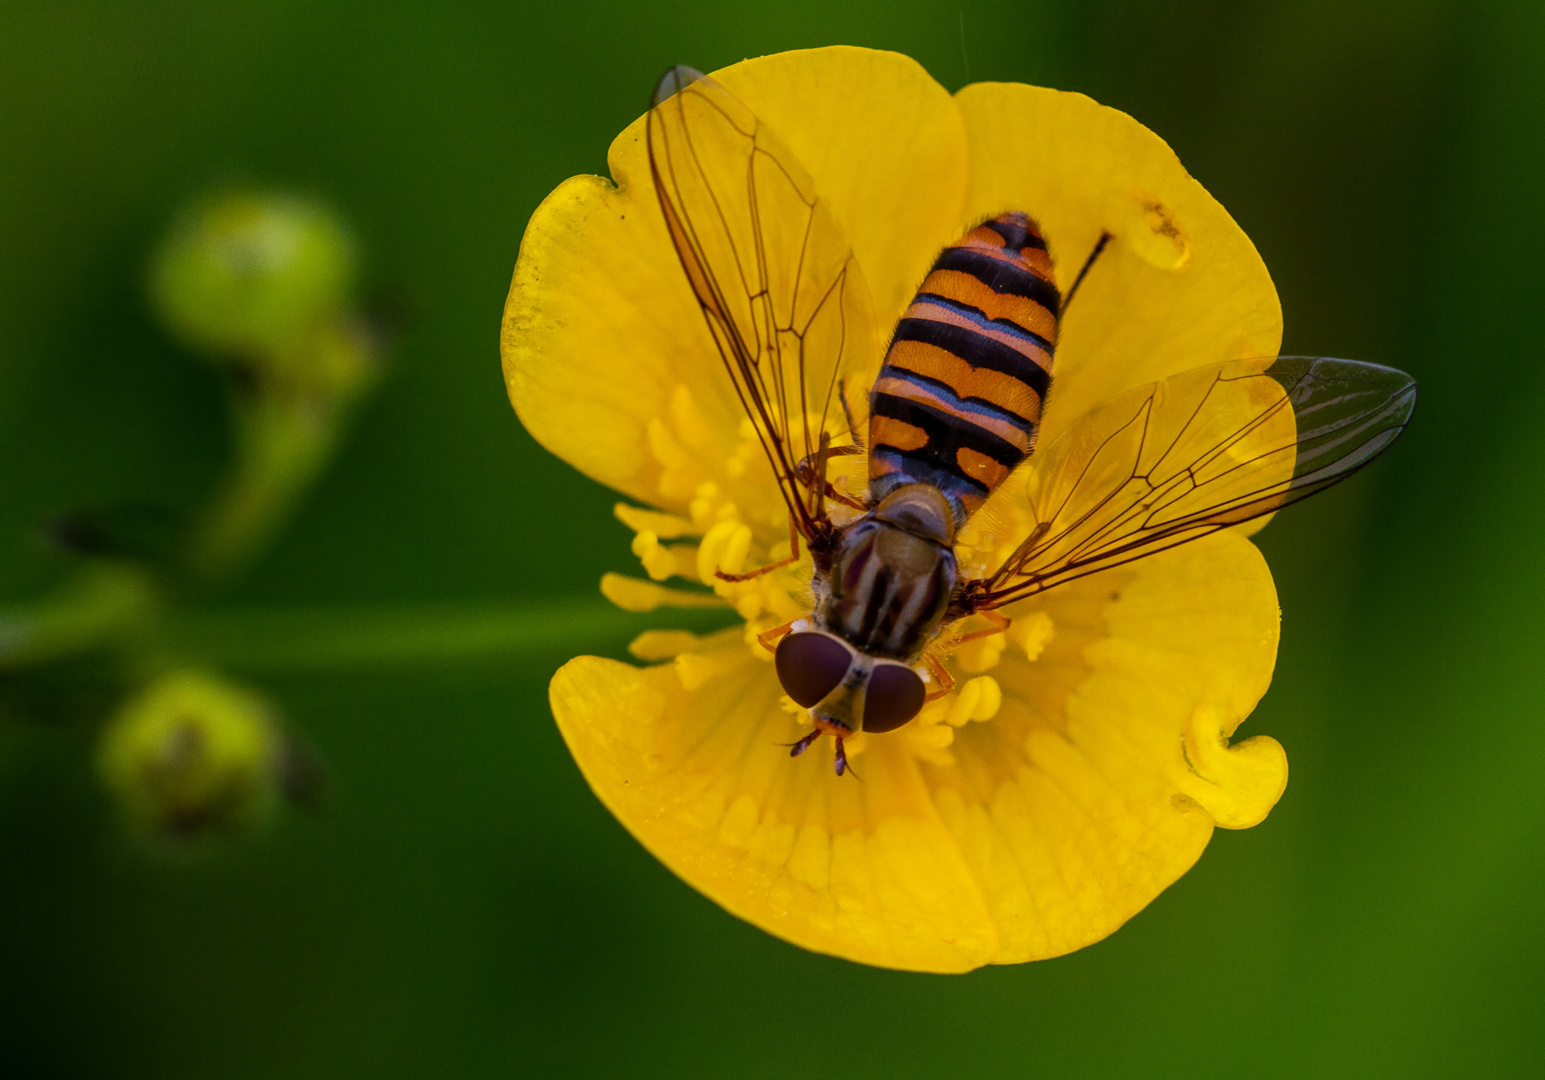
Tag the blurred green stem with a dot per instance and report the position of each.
(107, 603)
(289, 416)
(282, 444)
(319, 639)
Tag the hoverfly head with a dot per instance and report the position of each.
(846, 691)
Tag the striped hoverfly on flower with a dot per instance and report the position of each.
(950, 413)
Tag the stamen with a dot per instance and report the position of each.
(981, 654)
(746, 451)
(1032, 632)
(691, 426)
(662, 562)
(696, 668)
(685, 446)
(977, 699)
(724, 547)
(663, 445)
(663, 644)
(795, 709)
(928, 739)
(633, 594)
(665, 526)
(678, 452)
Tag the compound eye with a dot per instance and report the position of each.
(810, 665)
(895, 695)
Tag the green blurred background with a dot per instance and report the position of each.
(464, 907)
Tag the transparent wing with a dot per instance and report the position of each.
(1200, 451)
(770, 267)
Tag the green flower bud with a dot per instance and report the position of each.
(192, 755)
(336, 360)
(250, 275)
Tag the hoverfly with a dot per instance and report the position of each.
(953, 412)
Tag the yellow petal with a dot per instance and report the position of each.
(606, 356)
(1180, 284)
(861, 869)
(885, 145)
(1237, 784)
(1078, 803)
(601, 336)
(1089, 781)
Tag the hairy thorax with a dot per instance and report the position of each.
(892, 574)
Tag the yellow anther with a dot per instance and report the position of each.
(754, 627)
(795, 709)
(936, 710)
(696, 668)
(708, 553)
(644, 543)
(934, 736)
(661, 562)
(746, 451)
(960, 709)
(663, 445)
(981, 654)
(736, 547)
(929, 741)
(688, 419)
(783, 605)
(724, 547)
(635, 594)
(667, 526)
(991, 699)
(701, 507)
(978, 699)
(1032, 632)
(663, 644)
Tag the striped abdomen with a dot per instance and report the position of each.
(958, 399)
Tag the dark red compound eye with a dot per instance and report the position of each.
(810, 665)
(895, 695)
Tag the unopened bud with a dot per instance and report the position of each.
(250, 275)
(192, 755)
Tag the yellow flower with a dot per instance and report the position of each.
(1084, 758)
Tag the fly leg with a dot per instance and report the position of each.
(770, 567)
(767, 639)
(1000, 622)
(847, 412)
(1099, 246)
(804, 744)
(841, 763)
(813, 475)
(946, 680)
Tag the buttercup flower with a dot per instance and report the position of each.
(1084, 757)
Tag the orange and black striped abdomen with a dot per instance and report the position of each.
(958, 399)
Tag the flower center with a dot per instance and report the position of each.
(731, 526)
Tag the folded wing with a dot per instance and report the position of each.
(771, 270)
